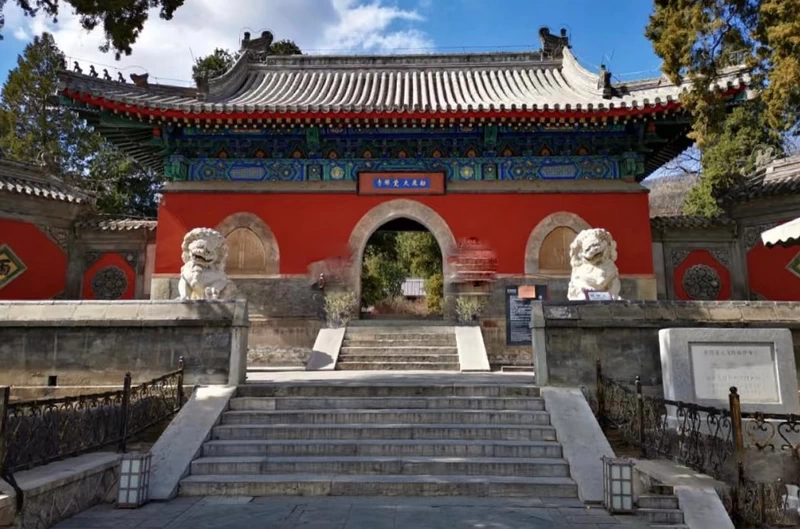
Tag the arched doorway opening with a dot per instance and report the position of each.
(402, 272)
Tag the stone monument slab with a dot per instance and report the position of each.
(701, 365)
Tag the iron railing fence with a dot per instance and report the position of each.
(730, 445)
(38, 432)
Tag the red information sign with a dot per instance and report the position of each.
(401, 183)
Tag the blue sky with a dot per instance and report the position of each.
(610, 31)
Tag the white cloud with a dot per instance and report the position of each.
(21, 34)
(368, 27)
(165, 48)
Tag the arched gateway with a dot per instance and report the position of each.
(322, 150)
(385, 213)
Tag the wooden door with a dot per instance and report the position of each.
(246, 254)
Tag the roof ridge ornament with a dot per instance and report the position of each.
(604, 82)
(142, 81)
(257, 48)
(552, 45)
(203, 87)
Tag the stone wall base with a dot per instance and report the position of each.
(281, 342)
(60, 490)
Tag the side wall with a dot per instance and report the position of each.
(699, 260)
(774, 273)
(319, 226)
(96, 343)
(624, 335)
(34, 266)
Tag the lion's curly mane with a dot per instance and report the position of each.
(215, 242)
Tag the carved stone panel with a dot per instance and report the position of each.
(722, 256)
(109, 283)
(60, 236)
(701, 282)
(752, 234)
(677, 256)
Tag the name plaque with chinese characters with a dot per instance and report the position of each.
(400, 183)
(750, 367)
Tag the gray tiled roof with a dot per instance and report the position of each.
(31, 180)
(780, 177)
(104, 223)
(688, 222)
(432, 83)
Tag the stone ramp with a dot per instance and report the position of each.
(399, 345)
(428, 434)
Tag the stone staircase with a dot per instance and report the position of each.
(401, 346)
(346, 438)
(661, 509)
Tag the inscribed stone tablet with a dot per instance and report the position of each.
(751, 368)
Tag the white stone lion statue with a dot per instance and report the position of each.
(592, 255)
(204, 252)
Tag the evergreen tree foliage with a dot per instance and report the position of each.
(32, 124)
(29, 122)
(284, 47)
(213, 65)
(122, 20)
(698, 40)
(392, 257)
(731, 154)
(222, 60)
(419, 252)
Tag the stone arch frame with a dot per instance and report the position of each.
(254, 223)
(396, 209)
(543, 229)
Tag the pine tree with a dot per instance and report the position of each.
(31, 123)
(698, 40)
(730, 155)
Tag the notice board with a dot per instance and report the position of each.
(518, 313)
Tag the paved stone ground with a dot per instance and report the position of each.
(353, 513)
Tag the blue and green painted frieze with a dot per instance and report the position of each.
(455, 169)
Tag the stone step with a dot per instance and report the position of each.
(657, 502)
(407, 403)
(389, 322)
(422, 337)
(401, 350)
(493, 432)
(390, 357)
(433, 340)
(395, 416)
(438, 466)
(517, 369)
(376, 485)
(661, 516)
(397, 366)
(386, 390)
(411, 447)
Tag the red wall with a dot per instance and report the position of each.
(109, 259)
(45, 276)
(314, 227)
(768, 273)
(705, 258)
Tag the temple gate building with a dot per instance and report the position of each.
(298, 160)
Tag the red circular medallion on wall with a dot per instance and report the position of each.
(700, 276)
(110, 283)
(110, 277)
